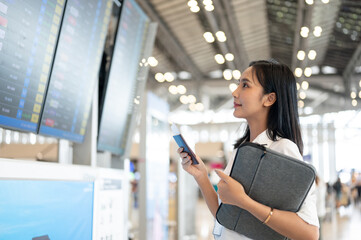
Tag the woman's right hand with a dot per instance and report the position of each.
(197, 171)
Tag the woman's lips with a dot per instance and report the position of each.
(237, 105)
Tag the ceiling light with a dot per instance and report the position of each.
(219, 59)
(301, 104)
(209, 37)
(359, 83)
(173, 89)
(192, 99)
(354, 103)
(192, 107)
(168, 77)
(227, 74)
(184, 75)
(195, 9)
(329, 70)
(298, 72)
(233, 87)
(236, 74)
(312, 54)
(304, 32)
(315, 70)
(302, 95)
(325, 1)
(184, 99)
(317, 31)
(359, 94)
(215, 74)
(192, 3)
(308, 110)
(152, 61)
(309, 2)
(301, 55)
(304, 85)
(199, 107)
(308, 72)
(221, 36)
(181, 89)
(298, 86)
(207, 2)
(143, 63)
(159, 77)
(317, 34)
(353, 95)
(209, 8)
(229, 57)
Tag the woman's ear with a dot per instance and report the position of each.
(270, 99)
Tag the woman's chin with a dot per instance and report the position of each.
(237, 114)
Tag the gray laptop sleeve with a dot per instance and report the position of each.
(268, 177)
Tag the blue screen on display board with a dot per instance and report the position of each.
(28, 36)
(43, 210)
(75, 69)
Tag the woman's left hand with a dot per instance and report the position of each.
(230, 191)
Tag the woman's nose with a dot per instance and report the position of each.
(235, 93)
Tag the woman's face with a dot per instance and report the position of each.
(248, 97)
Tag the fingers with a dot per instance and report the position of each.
(183, 155)
(222, 175)
(186, 158)
(186, 161)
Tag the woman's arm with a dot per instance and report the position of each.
(286, 223)
(200, 174)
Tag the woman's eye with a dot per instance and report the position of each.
(244, 85)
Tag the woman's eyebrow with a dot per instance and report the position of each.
(245, 80)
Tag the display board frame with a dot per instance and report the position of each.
(122, 147)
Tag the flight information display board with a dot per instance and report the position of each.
(121, 88)
(28, 35)
(75, 69)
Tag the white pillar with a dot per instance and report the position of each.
(65, 152)
(332, 152)
(320, 144)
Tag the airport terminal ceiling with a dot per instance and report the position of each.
(200, 44)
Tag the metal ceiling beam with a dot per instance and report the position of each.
(328, 91)
(170, 43)
(228, 21)
(219, 47)
(296, 37)
(325, 16)
(304, 17)
(318, 101)
(350, 68)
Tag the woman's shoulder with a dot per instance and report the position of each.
(287, 147)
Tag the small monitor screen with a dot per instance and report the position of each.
(121, 88)
(76, 68)
(28, 36)
(46, 210)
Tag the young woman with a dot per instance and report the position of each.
(267, 98)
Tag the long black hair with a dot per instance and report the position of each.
(283, 119)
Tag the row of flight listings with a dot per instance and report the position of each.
(50, 55)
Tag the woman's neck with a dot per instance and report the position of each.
(256, 129)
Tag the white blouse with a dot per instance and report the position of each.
(307, 211)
